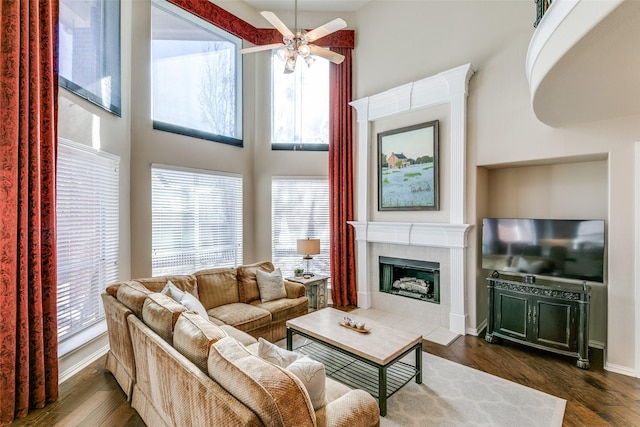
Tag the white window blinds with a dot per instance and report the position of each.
(87, 234)
(196, 220)
(300, 209)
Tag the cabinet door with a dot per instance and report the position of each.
(510, 313)
(554, 323)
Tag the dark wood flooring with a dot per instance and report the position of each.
(594, 397)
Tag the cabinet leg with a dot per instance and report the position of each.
(583, 363)
(491, 339)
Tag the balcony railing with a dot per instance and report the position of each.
(541, 9)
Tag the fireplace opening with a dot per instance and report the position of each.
(410, 278)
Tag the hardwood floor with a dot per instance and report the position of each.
(594, 397)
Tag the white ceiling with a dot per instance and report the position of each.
(309, 5)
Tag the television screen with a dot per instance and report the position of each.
(571, 249)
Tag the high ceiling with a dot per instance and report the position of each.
(309, 5)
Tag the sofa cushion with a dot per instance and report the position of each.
(184, 298)
(270, 285)
(185, 283)
(310, 372)
(217, 286)
(242, 337)
(132, 294)
(247, 285)
(276, 396)
(284, 308)
(160, 313)
(245, 317)
(193, 337)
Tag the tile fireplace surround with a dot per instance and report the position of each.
(442, 242)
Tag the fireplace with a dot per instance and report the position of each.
(410, 278)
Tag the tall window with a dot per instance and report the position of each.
(196, 76)
(89, 57)
(299, 209)
(300, 118)
(87, 209)
(196, 220)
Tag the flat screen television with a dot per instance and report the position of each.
(563, 248)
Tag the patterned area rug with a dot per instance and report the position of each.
(455, 395)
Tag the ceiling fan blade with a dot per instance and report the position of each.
(326, 29)
(334, 57)
(261, 47)
(277, 23)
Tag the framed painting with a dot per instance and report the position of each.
(408, 168)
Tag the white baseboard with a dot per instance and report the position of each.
(478, 329)
(624, 370)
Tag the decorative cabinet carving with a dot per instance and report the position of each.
(547, 315)
(316, 290)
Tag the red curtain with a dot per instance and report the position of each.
(28, 101)
(343, 270)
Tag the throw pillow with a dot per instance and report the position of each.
(276, 355)
(311, 373)
(271, 285)
(172, 291)
(184, 298)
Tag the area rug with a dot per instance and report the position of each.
(456, 395)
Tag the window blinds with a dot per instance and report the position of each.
(87, 209)
(299, 209)
(196, 220)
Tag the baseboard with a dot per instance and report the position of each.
(624, 370)
(477, 330)
(82, 357)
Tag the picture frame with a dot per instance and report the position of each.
(408, 168)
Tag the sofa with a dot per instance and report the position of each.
(179, 367)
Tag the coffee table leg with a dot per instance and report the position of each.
(289, 339)
(419, 364)
(382, 390)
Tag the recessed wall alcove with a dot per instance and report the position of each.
(444, 241)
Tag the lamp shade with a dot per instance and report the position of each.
(308, 246)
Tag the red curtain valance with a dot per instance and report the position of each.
(219, 17)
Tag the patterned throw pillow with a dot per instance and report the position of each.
(310, 372)
(271, 285)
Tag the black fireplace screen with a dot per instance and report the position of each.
(410, 278)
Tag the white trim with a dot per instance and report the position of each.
(624, 370)
(451, 87)
(636, 250)
(477, 330)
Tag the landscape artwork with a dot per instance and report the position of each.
(408, 168)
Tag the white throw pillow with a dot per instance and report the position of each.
(271, 285)
(312, 375)
(310, 372)
(276, 355)
(184, 298)
(172, 291)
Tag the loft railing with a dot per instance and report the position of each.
(541, 9)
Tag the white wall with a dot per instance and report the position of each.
(403, 41)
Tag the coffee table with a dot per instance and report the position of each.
(370, 361)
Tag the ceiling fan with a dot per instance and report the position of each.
(300, 43)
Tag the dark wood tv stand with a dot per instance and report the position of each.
(548, 315)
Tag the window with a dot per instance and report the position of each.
(89, 56)
(299, 209)
(196, 76)
(196, 220)
(87, 210)
(300, 118)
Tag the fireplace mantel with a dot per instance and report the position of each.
(412, 233)
(450, 87)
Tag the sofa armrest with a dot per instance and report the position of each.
(353, 409)
(294, 290)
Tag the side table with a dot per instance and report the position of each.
(316, 289)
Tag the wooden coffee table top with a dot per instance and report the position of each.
(381, 345)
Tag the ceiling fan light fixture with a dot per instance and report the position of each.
(309, 60)
(283, 53)
(304, 50)
(290, 63)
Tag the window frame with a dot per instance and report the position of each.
(193, 19)
(112, 63)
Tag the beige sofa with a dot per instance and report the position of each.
(186, 371)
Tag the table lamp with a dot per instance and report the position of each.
(308, 247)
